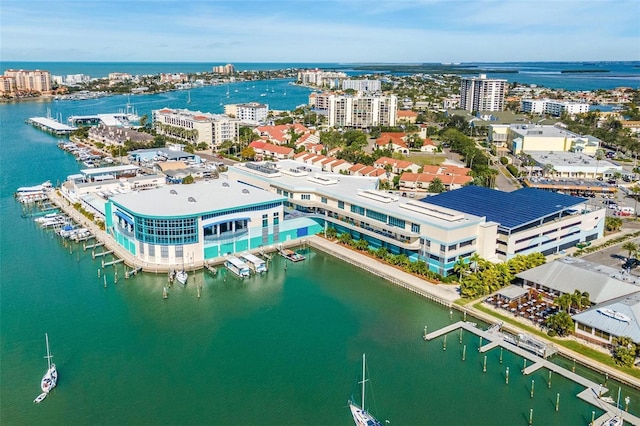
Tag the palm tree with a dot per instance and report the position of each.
(563, 302)
(599, 156)
(475, 261)
(460, 267)
(580, 299)
(630, 247)
(635, 189)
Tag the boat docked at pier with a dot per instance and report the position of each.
(182, 277)
(237, 266)
(255, 263)
(292, 255)
(360, 416)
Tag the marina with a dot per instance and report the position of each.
(496, 339)
(303, 367)
(51, 125)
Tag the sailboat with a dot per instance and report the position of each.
(50, 378)
(360, 416)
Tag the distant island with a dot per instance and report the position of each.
(583, 71)
(430, 69)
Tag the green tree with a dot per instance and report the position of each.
(624, 351)
(248, 153)
(436, 186)
(563, 301)
(559, 324)
(188, 180)
(612, 224)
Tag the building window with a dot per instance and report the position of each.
(323, 200)
(164, 252)
(415, 228)
(276, 218)
(306, 196)
(265, 220)
(167, 231)
(341, 205)
(396, 222)
(377, 216)
(357, 209)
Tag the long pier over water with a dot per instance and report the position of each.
(590, 394)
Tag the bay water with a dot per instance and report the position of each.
(282, 348)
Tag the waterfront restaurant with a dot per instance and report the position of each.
(188, 224)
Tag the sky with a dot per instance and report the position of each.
(344, 31)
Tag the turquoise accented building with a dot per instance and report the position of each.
(185, 224)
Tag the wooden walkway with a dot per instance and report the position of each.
(589, 394)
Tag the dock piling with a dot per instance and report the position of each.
(533, 382)
(557, 401)
(507, 376)
(464, 352)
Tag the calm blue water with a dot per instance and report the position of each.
(546, 74)
(279, 349)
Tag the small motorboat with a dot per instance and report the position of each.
(182, 276)
(40, 397)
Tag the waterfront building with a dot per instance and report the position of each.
(224, 69)
(316, 77)
(117, 135)
(186, 224)
(196, 127)
(364, 85)
(610, 291)
(553, 107)
(173, 78)
(528, 220)
(29, 80)
(172, 152)
(361, 112)
(7, 84)
(482, 93)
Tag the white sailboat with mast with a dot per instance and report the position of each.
(50, 378)
(360, 416)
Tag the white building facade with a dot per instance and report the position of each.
(362, 85)
(361, 112)
(482, 93)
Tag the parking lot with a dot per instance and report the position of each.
(614, 257)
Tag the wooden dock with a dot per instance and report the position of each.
(590, 394)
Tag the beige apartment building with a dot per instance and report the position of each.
(27, 80)
(196, 127)
(361, 112)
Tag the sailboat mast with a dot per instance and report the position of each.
(363, 377)
(48, 357)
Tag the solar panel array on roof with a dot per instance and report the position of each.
(509, 209)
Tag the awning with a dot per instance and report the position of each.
(124, 217)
